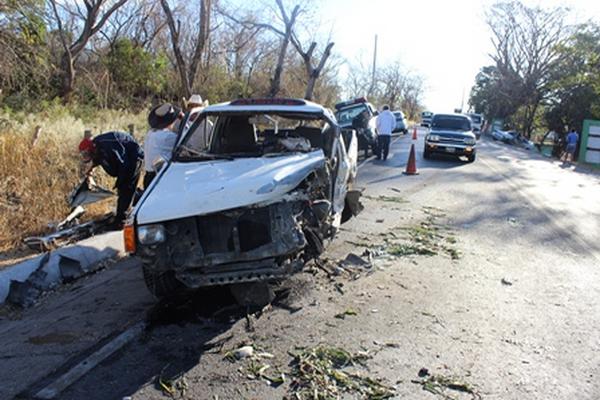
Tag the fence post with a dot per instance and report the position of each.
(36, 135)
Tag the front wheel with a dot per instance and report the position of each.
(471, 158)
(161, 284)
(426, 154)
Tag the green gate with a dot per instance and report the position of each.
(589, 151)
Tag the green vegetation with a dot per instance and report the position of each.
(321, 373)
(545, 73)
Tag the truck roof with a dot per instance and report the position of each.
(269, 105)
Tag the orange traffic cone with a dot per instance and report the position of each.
(411, 167)
(415, 134)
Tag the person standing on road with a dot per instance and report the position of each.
(385, 125)
(160, 139)
(121, 157)
(572, 139)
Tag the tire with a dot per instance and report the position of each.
(161, 284)
(426, 154)
(471, 158)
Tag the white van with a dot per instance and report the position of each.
(476, 122)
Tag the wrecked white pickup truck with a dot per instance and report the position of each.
(250, 201)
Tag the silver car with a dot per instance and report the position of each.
(401, 122)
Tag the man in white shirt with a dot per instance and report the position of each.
(385, 125)
(160, 139)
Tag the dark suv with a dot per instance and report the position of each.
(349, 115)
(450, 134)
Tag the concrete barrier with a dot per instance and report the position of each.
(22, 283)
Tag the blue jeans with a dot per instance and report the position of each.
(383, 146)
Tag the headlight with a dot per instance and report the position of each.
(151, 234)
(469, 141)
(433, 138)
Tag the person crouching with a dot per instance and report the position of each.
(121, 157)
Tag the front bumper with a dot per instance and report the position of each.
(451, 149)
(244, 245)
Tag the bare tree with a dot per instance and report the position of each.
(286, 34)
(526, 48)
(312, 72)
(141, 21)
(89, 20)
(392, 80)
(188, 66)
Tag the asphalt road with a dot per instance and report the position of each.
(509, 303)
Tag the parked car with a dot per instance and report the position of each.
(426, 118)
(503, 136)
(348, 114)
(251, 201)
(476, 122)
(450, 134)
(514, 138)
(401, 122)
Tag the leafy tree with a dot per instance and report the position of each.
(526, 42)
(575, 86)
(136, 73)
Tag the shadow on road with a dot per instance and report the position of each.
(180, 332)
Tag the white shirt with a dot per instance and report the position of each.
(158, 143)
(386, 122)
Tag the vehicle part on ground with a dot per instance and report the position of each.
(87, 192)
(68, 235)
(264, 196)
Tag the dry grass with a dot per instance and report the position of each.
(36, 180)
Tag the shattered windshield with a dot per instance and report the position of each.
(346, 115)
(254, 135)
(451, 122)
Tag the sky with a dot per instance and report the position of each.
(446, 42)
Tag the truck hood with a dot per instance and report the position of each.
(204, 187)
(452, 133)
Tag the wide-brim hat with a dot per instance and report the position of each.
(163, 115)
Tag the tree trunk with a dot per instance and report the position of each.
(276, 81)
(68, 77)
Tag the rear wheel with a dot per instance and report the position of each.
(161, 284)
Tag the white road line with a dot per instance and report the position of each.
(54, 389)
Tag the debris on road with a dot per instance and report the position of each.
(439, 384)
(258, 370)
(324, 372)
(348, 312)
(243, 352)
(353, 261)
(175, 386)
(506, 282)
(69, 234)
(387, 199)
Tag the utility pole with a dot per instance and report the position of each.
(372, 87)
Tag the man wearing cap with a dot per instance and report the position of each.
(121, 157)
(160, 139)
(199, 138)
